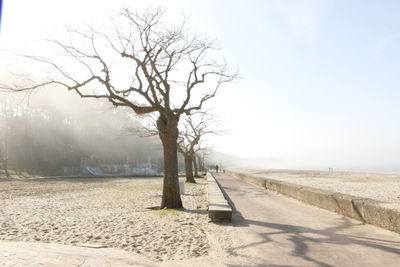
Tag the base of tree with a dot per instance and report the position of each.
(171, 203)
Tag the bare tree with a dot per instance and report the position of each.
(198, 161)
(5, 117)
(146, 65)
(186, 146)
(195, 166)
(194, 128)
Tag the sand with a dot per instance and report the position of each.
(381, 187)
(112, 213)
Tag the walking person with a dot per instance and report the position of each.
(216, 168)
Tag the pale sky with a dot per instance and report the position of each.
(320, 80)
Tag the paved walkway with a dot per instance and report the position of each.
(277, 231)
(48, 255)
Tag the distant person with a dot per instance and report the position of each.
(216, 168)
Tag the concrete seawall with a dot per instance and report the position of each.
(362, 209)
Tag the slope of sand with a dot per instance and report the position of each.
(111, 213)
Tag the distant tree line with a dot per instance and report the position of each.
(44, 140)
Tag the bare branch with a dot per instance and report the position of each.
(193, 130)
(164, 60)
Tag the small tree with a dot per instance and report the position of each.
(5, 118)
(186, 146)
(195, 166)
(194, 129)
(146, 65)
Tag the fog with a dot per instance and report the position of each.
(310, 97)
(54, 132)
(378, 161)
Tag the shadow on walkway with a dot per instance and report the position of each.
(329, 235)
(303, 237)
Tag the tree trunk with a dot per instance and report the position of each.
(201, 165)
(168, 131)
(189, 169)
(6, 155)
(196, 169)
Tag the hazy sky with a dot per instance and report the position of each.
(320, 80)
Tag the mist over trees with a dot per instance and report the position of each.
(143, 63)
(46, 132)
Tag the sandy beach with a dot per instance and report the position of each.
(379, 186)
(104, 212)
